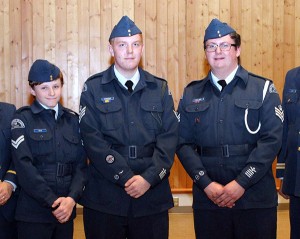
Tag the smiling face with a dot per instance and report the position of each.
(222, 62)
(48, 93)
(127, 52)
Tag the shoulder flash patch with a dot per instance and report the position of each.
(272, 89)
(17, 124)
(84, 88)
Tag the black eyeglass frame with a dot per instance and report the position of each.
(221, 46)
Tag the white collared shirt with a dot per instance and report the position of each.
(135, 78)
(47, 108)
(228, 79)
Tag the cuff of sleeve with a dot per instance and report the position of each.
(13, 184)
(122, 179)
(243, 181)
(203, 181)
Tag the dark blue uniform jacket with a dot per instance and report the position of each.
(125, 135)
(288, 164)
(7, 170)
(215, 144)
(49, 158)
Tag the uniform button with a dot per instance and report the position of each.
(196, 109)
(116, 177)
(221, 121)
(221, 99)
(41, 137)
(132, 122)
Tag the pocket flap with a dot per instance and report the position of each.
(197, 107)
(152, 106)
(250, 104)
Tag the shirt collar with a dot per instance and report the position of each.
(135, 78)
(47, 108)
(228, 79)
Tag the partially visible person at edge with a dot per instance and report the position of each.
(288, 167)
(130, 134)
(8, 179)
(49, 158)
(228, 140)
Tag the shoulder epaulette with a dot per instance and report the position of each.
(6, 104)
(70, 111)
(194, 82)
(95, 76)
(23, 108)
(158, 78)
(259, 77)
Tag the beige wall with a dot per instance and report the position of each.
(73, 34)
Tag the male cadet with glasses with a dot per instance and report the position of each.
(130, 133)
(8, 177)
(228, 140)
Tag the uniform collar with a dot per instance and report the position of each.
(228, 79)
(37, 108)
(135, 78)
(240, 73)
(241, 77)
(109, 75)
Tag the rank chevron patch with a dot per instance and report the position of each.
(16, 143)
(279, 112)
(82, 113)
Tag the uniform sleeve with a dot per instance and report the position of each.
(79, 178)
(186, 152)
(107, 161)
(280, 166)
(166, 142)
(29, 177)
(269, 141)
(10, 175)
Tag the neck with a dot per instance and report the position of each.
(127, 74)
(223, 74)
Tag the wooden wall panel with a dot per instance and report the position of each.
(74, 35)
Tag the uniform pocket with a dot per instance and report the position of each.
(253, 107)
(291, 110)
(110, 115)
(42, 141)
(152, 114)
(201, 116)
(70, 148)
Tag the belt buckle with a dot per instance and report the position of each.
(132, 152)
(225, 151)
(60, 170)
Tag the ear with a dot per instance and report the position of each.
(238, 51)
(111, 50)
(32, 91)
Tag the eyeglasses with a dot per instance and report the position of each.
(224, 46)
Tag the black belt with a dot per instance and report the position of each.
(134, 151)
(59, 169)
(225, 150)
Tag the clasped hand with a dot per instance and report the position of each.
(224, 196)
